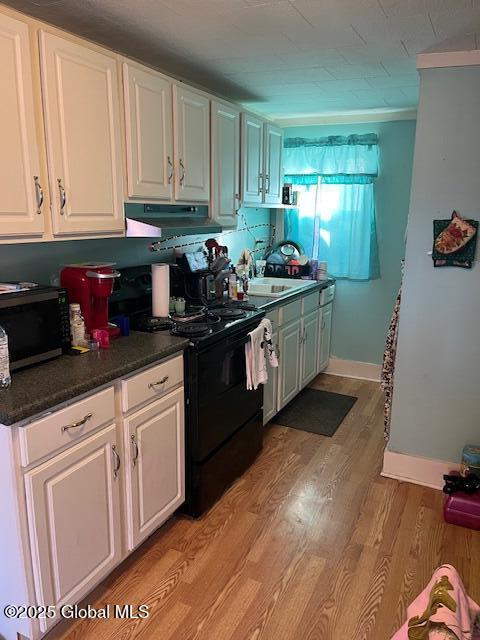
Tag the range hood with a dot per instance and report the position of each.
(163, 220)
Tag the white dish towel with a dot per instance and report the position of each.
(257, 350)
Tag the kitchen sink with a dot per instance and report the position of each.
(276, 287)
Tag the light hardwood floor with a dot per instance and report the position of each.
(310, 544)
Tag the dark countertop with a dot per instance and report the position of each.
(267, 304)
(44, 386)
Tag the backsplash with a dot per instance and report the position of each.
(41, 261)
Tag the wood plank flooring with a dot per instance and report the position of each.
(310, 544)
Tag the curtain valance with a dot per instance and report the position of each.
(331, 156)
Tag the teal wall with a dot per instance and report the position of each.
(435, 409)
(362, 310)
(41, 261)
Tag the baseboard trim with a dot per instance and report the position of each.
(354, 369)
(415, 469)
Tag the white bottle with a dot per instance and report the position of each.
(5, 378)
(77, 326)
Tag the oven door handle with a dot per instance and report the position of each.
(238, 343)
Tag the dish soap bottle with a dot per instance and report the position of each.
(232, 285)
(5, 378)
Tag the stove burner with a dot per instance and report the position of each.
(193, 330)
(151, 323)
(230, 314)
(245, 305)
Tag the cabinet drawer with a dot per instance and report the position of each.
(310, 303)
(327, 295)
(151, 384)
(64, 427)
(290, 312)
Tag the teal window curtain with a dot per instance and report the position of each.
(335, 218)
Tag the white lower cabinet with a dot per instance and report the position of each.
(289, 369)
(302, 332)
(325, 331)
(309, 349)
(73, 505)
(270, 390)
(154, 465)
(109, 471)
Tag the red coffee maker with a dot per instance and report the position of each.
(91, 285)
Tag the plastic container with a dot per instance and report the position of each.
(102, 337)
(232, 286)
(463, 509)
(77, 326)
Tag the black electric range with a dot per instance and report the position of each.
(223, 421)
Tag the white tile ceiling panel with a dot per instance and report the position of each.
(279, 57)
(355, 71)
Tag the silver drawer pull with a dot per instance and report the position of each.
(116, 468)
(80, 423)
(135, 449)
(152, 385)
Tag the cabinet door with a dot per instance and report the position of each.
(270, 390)
(225, 164)
(20, 193)
(192, 145)
(74, 519)
(289, 371)
(81, 107)
(325, 337)
(149, 132)
(273, 164)
(252, 159)
(309, 347)
(155, 471)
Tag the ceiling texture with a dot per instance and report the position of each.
(281, 58)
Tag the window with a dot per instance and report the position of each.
(335, 218)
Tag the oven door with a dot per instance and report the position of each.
(33, 327)
(223, 404)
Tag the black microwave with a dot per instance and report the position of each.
(37, 324)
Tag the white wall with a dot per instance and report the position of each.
(436, 404)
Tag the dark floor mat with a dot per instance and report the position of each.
(316, 411)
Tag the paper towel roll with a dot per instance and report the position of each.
(160, 289)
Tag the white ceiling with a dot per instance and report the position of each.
(279, 57)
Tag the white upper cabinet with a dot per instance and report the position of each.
(21, 195)
(191, 118)
(82, 122)
(252, 159)
(261, 164)
(149, 132)
(273, 173)
(225, 122)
